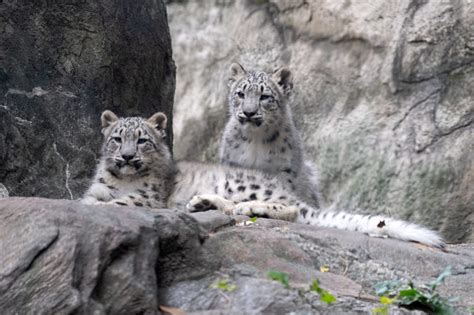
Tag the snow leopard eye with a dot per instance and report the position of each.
(117, 139)
(142, 140)
(265, 97)
(240, 94)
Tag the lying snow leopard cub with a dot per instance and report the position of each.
(136, 167)
(260, 132)
(132, 172)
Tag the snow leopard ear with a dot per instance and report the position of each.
(107, 119)
(158, 121)
(236, 72)
(284, 79)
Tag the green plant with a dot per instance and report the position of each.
(253, 219)
(279, 276)
(422, 297)
(224, 284)
(324, 295)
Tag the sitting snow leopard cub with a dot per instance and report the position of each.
(260, 132)
(137, 169)
(136, 166)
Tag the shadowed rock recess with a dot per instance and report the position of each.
(63, 257)
(61, 64)
(383, 95)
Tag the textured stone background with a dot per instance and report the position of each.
(61, 65)
(383, 95)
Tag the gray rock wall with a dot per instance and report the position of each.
(383, 95)
(61, 65)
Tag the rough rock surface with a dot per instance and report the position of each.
(63, 257)
(61, 65)
(383, 95)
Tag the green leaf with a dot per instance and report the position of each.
(386, 287)
(224, 285)
(253, 219)
(328, 297)
(279, 276)
(324, 295)
(446, 272)
(385, 300)
(383, 310)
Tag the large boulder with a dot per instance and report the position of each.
(61, 65)
(383, 95)
(63, 257)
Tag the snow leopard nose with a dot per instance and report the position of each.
(250, 114)
(127, 157)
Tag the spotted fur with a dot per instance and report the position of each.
(260, 133)
(251, 192)
(136, 167)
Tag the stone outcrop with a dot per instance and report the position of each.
(61, 65)
(382, 95)
(64, 257)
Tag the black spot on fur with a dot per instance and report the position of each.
(266, 199)
(273, 137)
(268, 192)
(198, 206)
(254, 187)
(241, 188)
(250, 177)
(237, 181)
(287, 170)
(274, 208)
(290, 181)
(131, 197)
(253, 196)
(226, 184)
(141, 191)
(138, 204)
(111, 187)
(154, 187)
(324, 215)
(120, 203)
(148, 204)
(102, 180)
(282, 197)
(230, 191)
(381, 224)
(304, 211)
(282, 150)
(145, 184)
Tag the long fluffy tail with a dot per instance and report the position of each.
(374, 225)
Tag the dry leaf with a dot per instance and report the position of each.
(172, 310)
